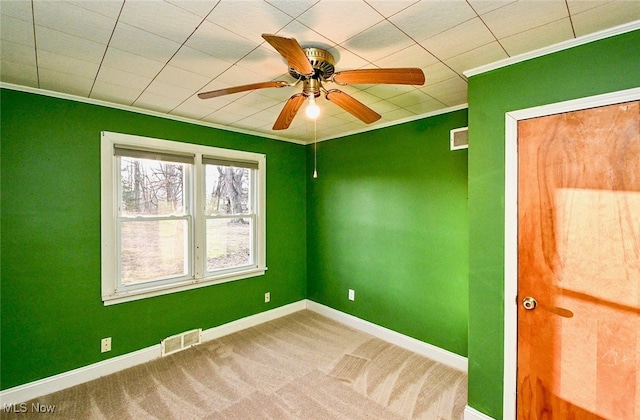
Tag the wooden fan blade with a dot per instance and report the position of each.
(292, 52)
(399, 76)
(353, 106)
(289, 111)
(236, 89)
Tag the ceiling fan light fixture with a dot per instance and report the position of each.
(312, 110)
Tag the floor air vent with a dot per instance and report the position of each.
(181, 341)
(460, 138)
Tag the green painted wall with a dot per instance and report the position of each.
(387, 217)
(52, 317)
(599, 67)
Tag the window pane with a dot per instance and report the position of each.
(227, 189)
(228, 243)
(153, 249)
(151, 187)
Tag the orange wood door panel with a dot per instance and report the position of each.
(579, 257)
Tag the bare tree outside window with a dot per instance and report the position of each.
(229, 217)
(153, 243)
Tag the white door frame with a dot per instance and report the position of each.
(511, 224)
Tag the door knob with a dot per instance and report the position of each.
(529, 303)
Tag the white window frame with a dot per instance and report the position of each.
(112, 291)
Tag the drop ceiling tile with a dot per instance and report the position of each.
(19, 73)
(340, 21)
(169, 90)
(256, 100)
(249, 19)
(438, 72)
(293, 8)
(402, 113)
(450, 92)
(424, 107)
(539, 37)
(265, 117)
(388, 91)
(378, 41)
(282, 93)
(17, 53)
(389, 8)
(442, 15)
(237, 76)
(579, 6)
(524, 15)
(17, 30)
(68, 65)
(241, 109)
(459, 39)
(606, 16)
(72, 46)
(142, 43)
(198, 62)
(108, 8)
(407, 99)
(154, 102)
(222, 117)
(116, 77)
(413, 56)
(63, 82)
(182, 78)
(485, 6)
(177, 23)
(114, 93)
(478, 57)
(131, 63)
(192, 110)
(73, 20)
(17, 9)
(305, 36)
(366, 98)
(200, 8)
(346, 60)
(221, 43)
(252, 123)
(265, 62)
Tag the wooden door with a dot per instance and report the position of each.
(579, 258)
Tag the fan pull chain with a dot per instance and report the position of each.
(315, 150)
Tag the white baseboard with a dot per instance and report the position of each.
(432, 352)
(31, 390)
(473, 414)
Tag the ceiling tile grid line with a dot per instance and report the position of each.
(105, 51)
(158, 54)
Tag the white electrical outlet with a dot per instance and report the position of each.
(352, 294)
(267, 297)
(105, 344)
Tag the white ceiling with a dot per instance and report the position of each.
(157, 55)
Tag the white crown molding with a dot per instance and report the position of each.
(397, 122)
(564, 45)
(432, 352)
(107, 104)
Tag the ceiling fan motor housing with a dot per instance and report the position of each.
(322, 62)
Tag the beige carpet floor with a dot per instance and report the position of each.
(301, 366)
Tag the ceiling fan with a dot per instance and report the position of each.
(315, 66)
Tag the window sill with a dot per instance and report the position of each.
(128, 296)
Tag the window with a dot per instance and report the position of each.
(176, 216)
